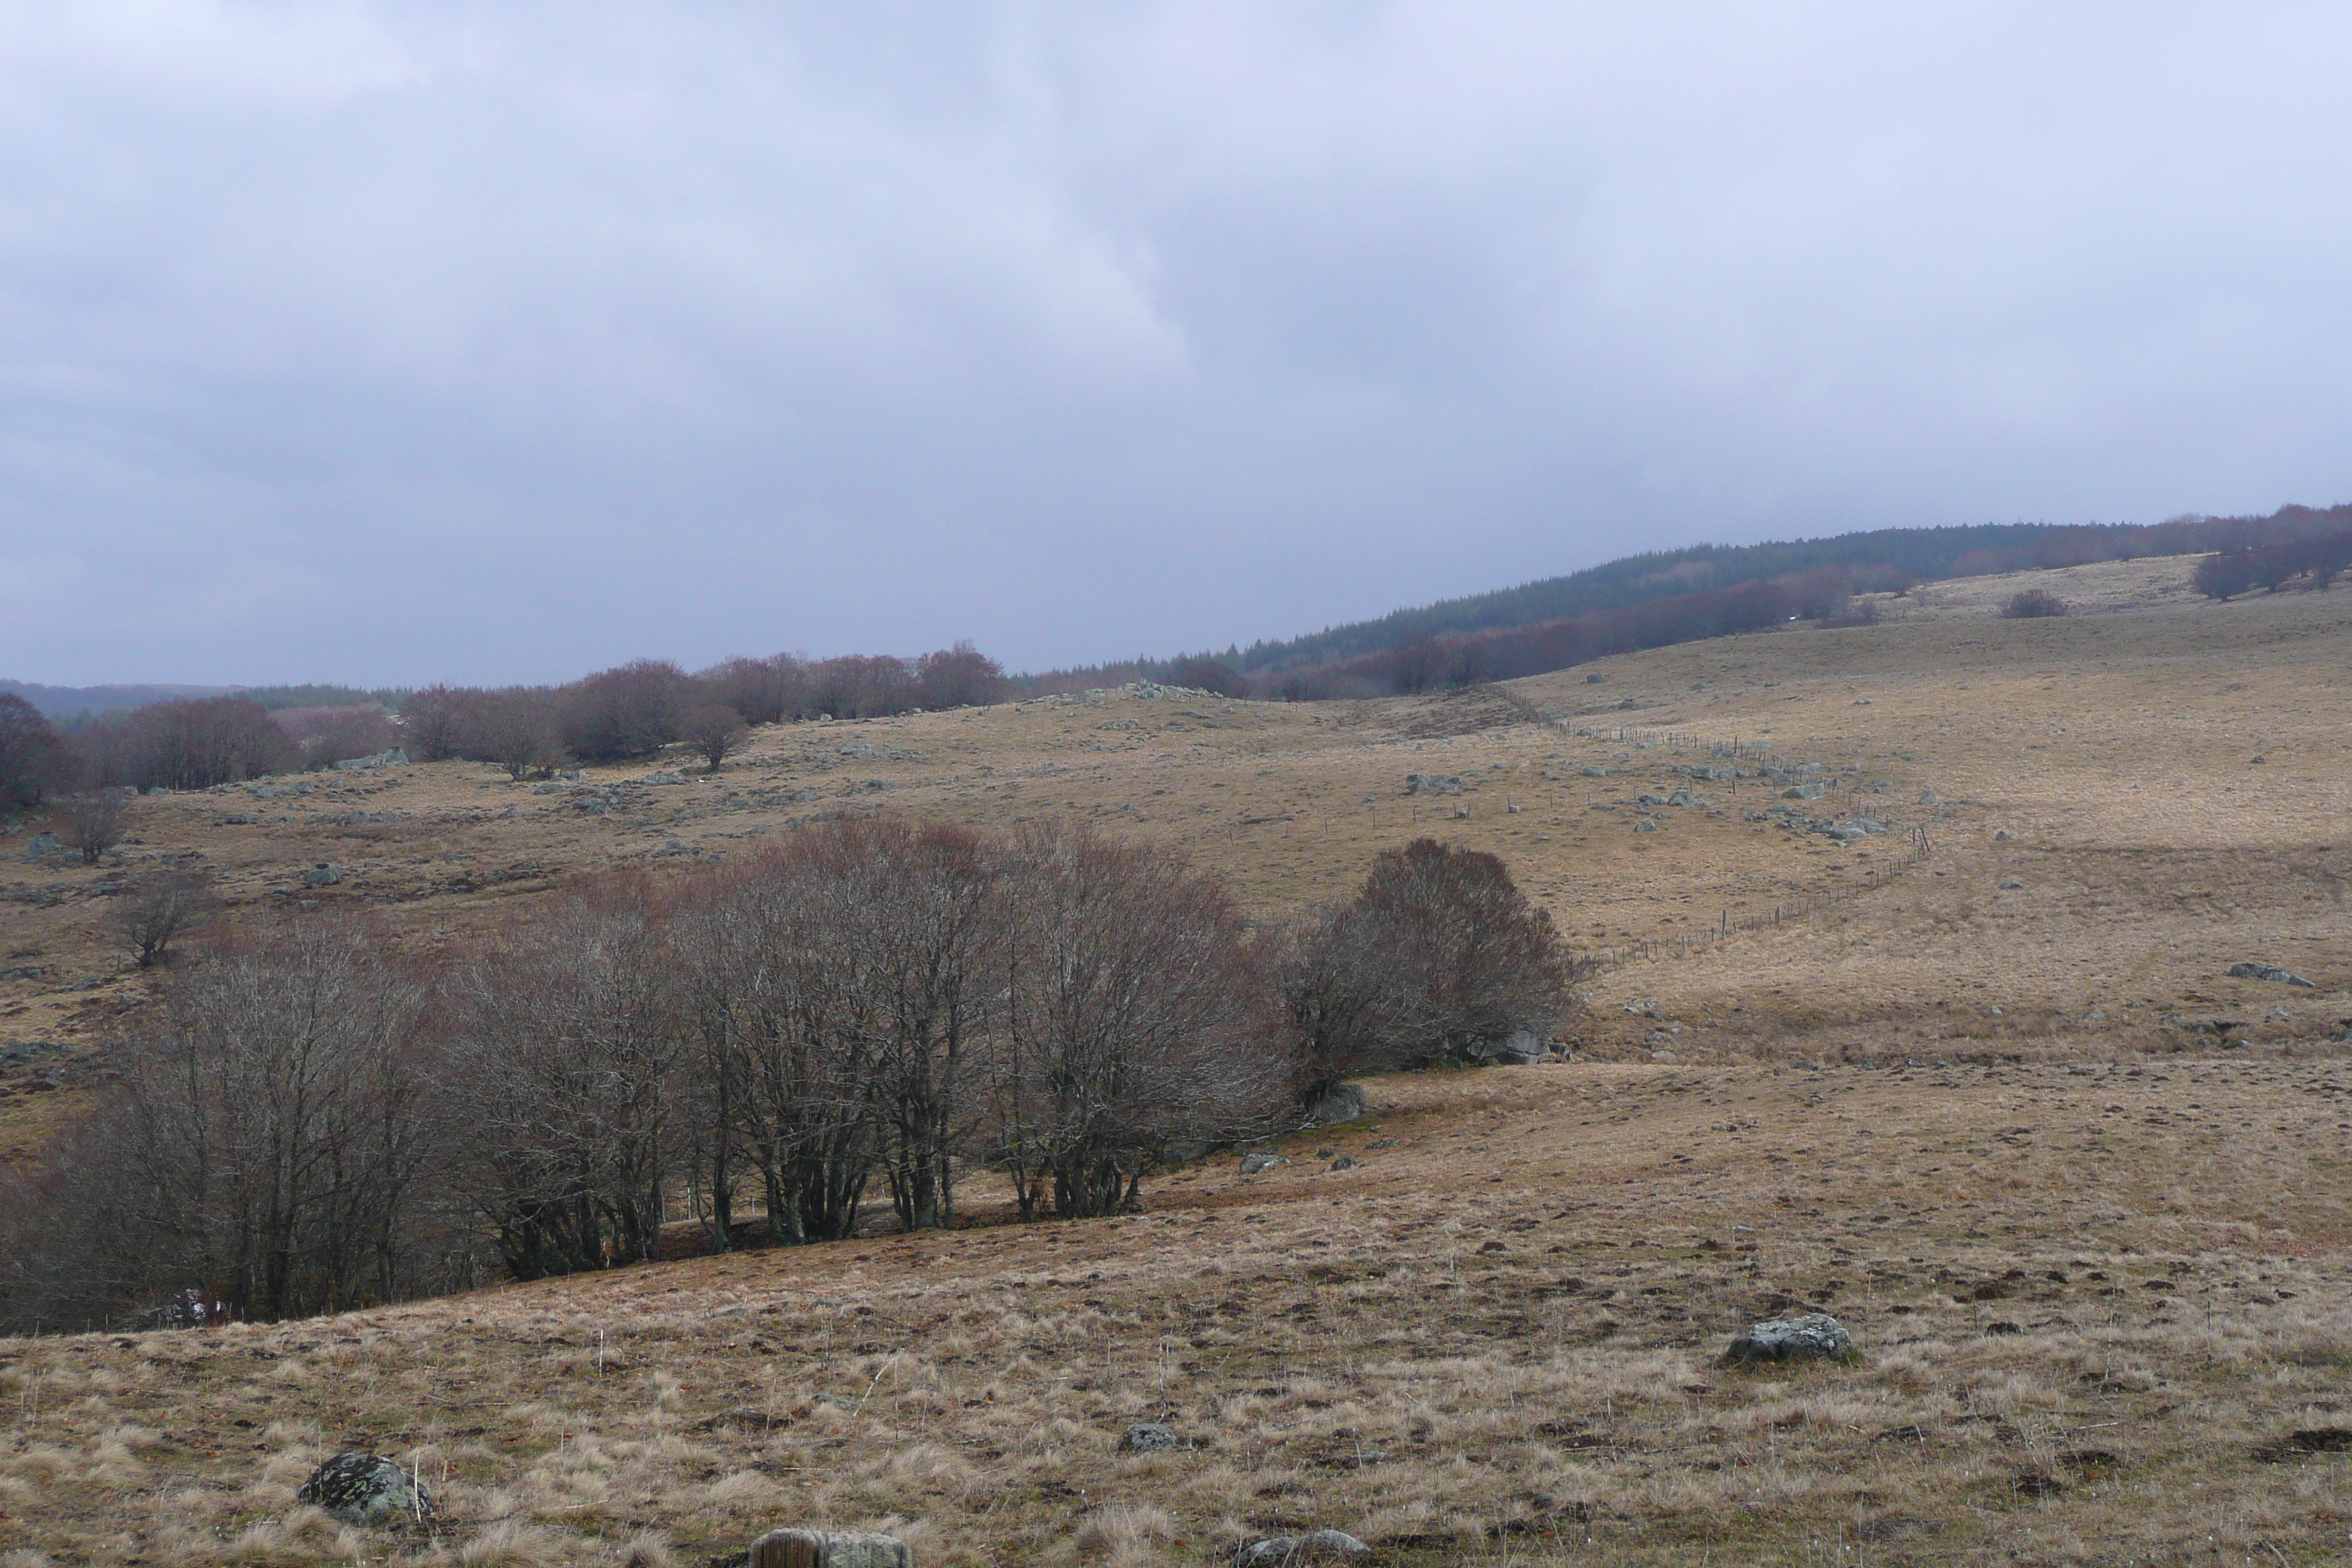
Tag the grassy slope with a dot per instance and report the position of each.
(1515, 1299)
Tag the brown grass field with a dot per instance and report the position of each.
(2081, 1196)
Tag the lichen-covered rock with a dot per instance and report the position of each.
(2270, 972)
(1148, 1437)
(363, 1489)
(1255, 1165)
(829, 1548)
(1809, 1336)
(1316, 1546)
(1341, 1102)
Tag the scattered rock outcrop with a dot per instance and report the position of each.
(1148, 1437)
(2268, 971)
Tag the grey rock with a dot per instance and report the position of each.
(1929, 797)
(1148, 1437)
(1433, 783)
(550, 787)
(829, 1548)
(1316, 1546)
(2010, 884)
(2002, 835)
(1809, 1336)
(1255, 1164)
(322, 875)
(1344, 1162)
(2268, 971)
(22, 972)
(1595, 679)
(1341, 1102)
(1645, 825)
(1801, 792)
(362, 1488)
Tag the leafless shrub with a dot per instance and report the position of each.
(93, 823)
(714, 730)
(1438, 954)
(158, 910)
(2032, 604)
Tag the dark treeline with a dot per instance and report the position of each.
(2230, 572)
(764, 1053)
(1667, 597)
(1927, 555)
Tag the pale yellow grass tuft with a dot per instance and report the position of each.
(511, 1545)
(1126, 1531)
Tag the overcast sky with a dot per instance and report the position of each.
(396, 343)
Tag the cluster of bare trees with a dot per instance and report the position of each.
(188, 744)
(871, 1014)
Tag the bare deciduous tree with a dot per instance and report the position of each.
(764, 691)
(432, 722)
(1439, 953)
(566, 1049)
(513, 728)
(30, 751)
(268, 1145)
(159, 909)
(959, 677)
(714, 730)
(1135, 1021)
(93, 823)
(630, 710)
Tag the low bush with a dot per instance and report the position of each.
(2033, 603)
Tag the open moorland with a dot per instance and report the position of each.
(1981, 1084)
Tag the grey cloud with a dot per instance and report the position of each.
(375, 342)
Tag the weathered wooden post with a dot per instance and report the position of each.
(828, 1549)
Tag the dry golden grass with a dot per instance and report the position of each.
(1494, 1340)
(2089, 1295)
